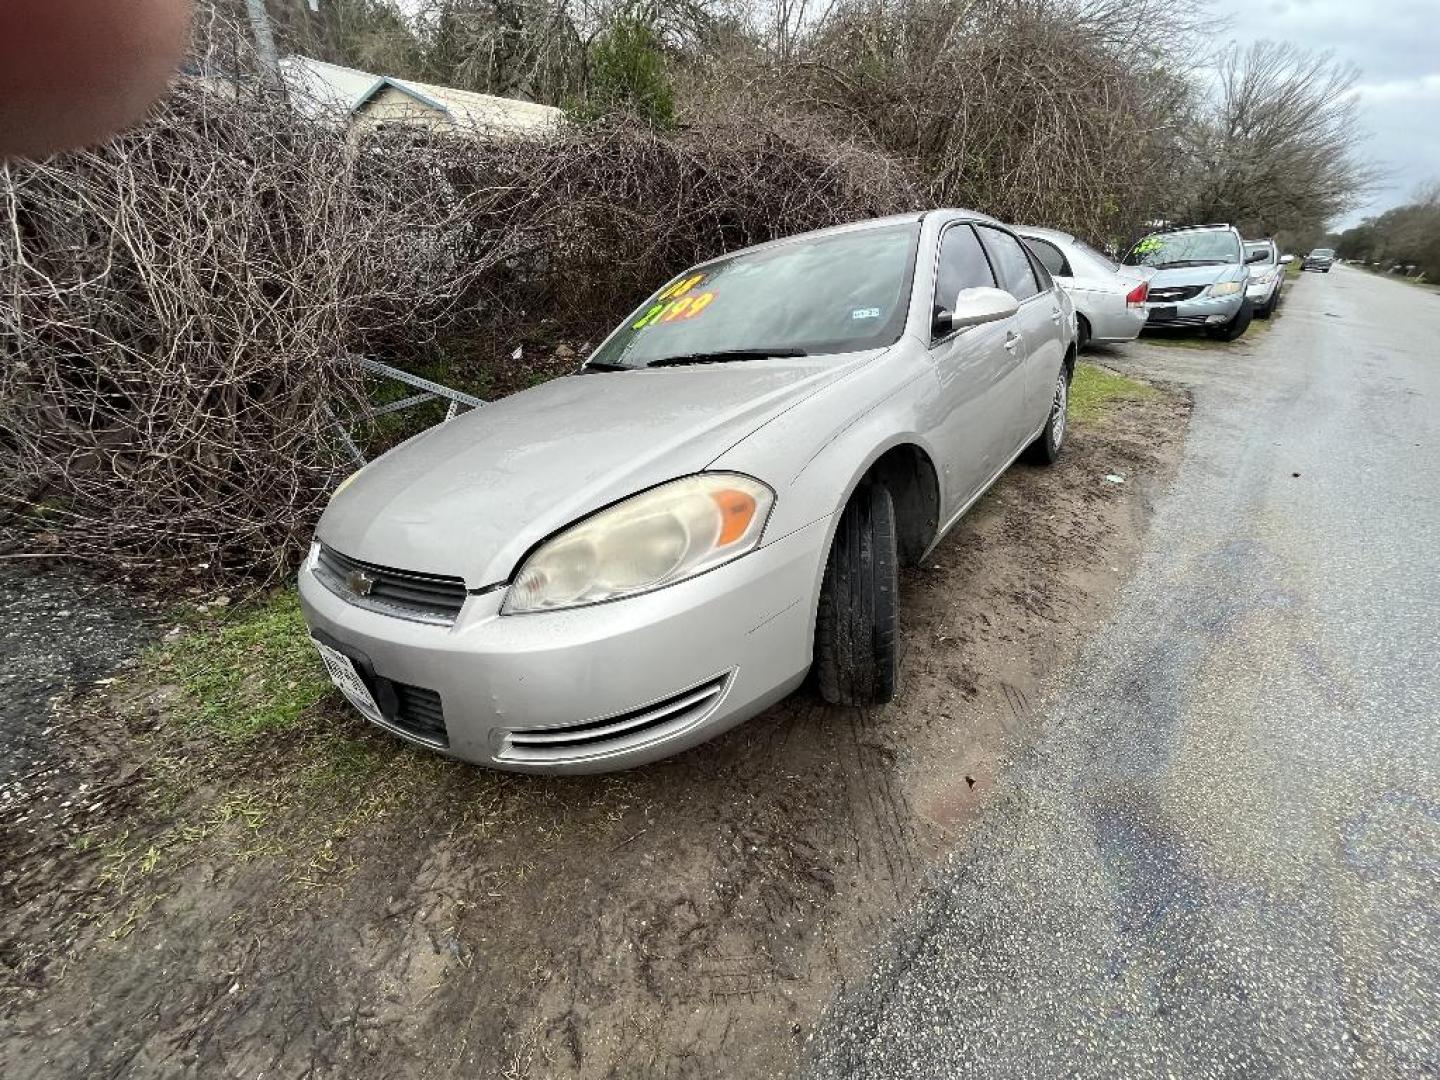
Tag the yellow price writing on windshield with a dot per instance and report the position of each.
(676, 302)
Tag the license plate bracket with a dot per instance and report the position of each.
(1164, 312)
(346, 677)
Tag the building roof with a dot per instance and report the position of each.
(321, 89)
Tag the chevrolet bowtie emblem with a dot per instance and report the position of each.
(359, 582)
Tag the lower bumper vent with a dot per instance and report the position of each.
(612, 734)
(417, 711)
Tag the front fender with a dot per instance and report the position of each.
(815, 455)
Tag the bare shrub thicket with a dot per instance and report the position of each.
(601, 215)
(1053, 112)
(178, 307)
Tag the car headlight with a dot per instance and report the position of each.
(661, 536)
(1225, 288)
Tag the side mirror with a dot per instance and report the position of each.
(974, 307)
(1257, 256)
(1286, 260)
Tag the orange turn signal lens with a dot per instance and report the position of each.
(737, 510)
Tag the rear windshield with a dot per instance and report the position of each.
(837, 293)
(1251, 249)
(1099, 256)
(1199, 248)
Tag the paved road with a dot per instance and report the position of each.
(1220, 856)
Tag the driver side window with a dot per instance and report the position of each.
(963, 265)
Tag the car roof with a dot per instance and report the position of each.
(1045, 234)
(1215, 227)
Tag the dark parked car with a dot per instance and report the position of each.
(1320, 259)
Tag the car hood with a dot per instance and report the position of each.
(471, 496)
(1196, 275)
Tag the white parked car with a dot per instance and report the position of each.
(1109, 298)
(1267, 276)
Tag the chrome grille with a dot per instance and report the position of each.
(1170, 294)
(427, 597)
(622, 731)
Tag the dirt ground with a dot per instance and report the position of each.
(688, 919)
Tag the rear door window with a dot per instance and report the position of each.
(1012, 265)
(1050, 256)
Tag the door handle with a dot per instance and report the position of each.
(1012, 341)
(1055, 316)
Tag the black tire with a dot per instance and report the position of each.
(1236, 326)
(1268, 308)
(1045, 450)
(1082, 333)
(856, 627)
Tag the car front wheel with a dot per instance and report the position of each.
(856, 627)
(1235, 327)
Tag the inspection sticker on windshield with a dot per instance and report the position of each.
(865, 313)
(347, 680)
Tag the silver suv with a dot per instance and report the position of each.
(1200, 279)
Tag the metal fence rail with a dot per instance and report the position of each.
(429, 391)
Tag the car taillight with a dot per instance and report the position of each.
(1136, 296)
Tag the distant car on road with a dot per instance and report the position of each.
(1267, 275)
(1200, 279)
(1320, 259)
(1109, 298)
(611, 567)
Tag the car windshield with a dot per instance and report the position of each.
(1326, 252)
(1192, 248)
(837, 293)
(1251, 249)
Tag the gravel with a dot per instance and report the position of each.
(58, 634)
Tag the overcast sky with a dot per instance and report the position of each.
(1396, 46)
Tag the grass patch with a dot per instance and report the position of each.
(1095, 389)
(254, 673)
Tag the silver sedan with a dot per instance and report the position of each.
(614, 566)
(1109, 298)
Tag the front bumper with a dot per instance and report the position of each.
(596, 688)
(1198, 311)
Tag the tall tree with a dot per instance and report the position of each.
(1282, 151)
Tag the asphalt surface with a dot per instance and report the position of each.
(1220, 854)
